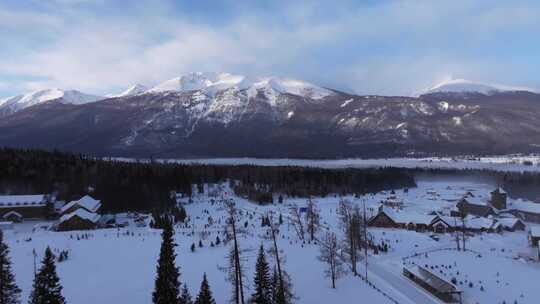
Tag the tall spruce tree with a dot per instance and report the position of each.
(9, 291)
(185, 297)
(205, 294)
(47, 288)
(262, 280)
(167, 286)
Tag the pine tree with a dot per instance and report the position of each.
(275, 286)
(9, 291)
(185, 297)
(167, 286)
(262, 281)
(47, 288)
(205, 294)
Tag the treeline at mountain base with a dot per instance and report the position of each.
(145, 186)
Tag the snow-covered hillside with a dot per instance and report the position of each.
(19, 102)
(131, 91)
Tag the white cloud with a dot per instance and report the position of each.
(390, 48)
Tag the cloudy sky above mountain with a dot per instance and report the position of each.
(367, 47)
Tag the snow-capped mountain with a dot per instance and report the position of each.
(19, 102)
(211, 83)
(221, 114)
(132, 90)
(462, 86)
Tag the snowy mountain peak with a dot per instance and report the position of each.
(19, 102)
(131, 91)
(467, 86)
(462, 86)
(214, 82)
(198, 81)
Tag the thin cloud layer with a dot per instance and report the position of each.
(391, 48)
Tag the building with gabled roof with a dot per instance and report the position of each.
(511, 223)
(477, 206)
(27, 206)
(80, 219)
(431, 282)
(13, 216)
(86, 202)
(534, 235)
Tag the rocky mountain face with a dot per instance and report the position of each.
(223, 115)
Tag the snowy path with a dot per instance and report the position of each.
(411, 292)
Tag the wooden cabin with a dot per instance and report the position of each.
(80, 219)
(24, 206)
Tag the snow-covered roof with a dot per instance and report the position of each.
(17, 214)
(9, 201)
(86, 202)
(410, 217)
(81, 213)
(451, 221)
(432, 279)
(525, 206)
(508, 221)
(535, 231)
(480, 222)
(476, 200)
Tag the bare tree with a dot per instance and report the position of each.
(296, 220)
(312, 219)
(234, 257)
(352, 224)
(456, 235)
(329, 254)
(463, 232)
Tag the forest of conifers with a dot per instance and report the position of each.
(145, 186)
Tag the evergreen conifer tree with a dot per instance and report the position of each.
(205, 294)
(167, 286)
(47, 288)
(9, 291)
(262, 281)
(185, 297)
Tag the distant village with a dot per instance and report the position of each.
(472, 213)
(81, 214)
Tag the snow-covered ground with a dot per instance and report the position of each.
(505, 163)
(118, 265)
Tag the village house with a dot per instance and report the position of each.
(527, 211)
(382, 220)
(431, 282)
(405, 220)
(474, 205)
(16, 208)
(13, 216)
(86, 202)
(534, 236)
(482, 224)
(511, 224)
(80, 219)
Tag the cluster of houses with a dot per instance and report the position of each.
(472, 213)
(79, 214)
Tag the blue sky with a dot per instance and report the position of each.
(367, 47)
